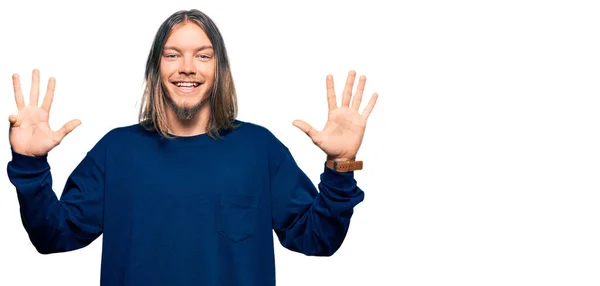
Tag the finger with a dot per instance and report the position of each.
(370, 106)
(12, 119)
(347, 94)
(359, 92)
(331, 100)
(306, 128)
(35, 87)
(49, 95)
(66, 129)
(18, 92)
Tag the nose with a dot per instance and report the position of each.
(187, 67)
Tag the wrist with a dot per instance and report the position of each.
(344, 164)
(23, 153)
(341, 159)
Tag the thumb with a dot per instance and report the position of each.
(306, 128)
(12, 119)
(66, 129)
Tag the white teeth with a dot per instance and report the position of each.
(187, 84)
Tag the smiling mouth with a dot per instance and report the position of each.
(186, 86)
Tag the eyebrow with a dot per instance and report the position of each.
(198, 49)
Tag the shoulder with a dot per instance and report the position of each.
(253, 132)
(246, 126)
(120, 135)
(126, 132)
(260, 134)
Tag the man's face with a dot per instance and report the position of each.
(187, 69)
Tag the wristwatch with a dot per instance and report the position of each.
(344, 166)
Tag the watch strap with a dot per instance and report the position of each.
(344, 166)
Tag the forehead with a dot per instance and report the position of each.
(187, 35)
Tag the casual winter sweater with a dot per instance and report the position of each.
(185, 211)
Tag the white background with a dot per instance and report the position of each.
(482, 159)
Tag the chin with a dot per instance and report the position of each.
(186, 110)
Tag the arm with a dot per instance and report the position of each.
(306, 220)
(312, 222)
(55, 225)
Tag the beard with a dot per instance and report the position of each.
(186, 113)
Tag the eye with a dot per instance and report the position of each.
(204, 56)
(170, 56)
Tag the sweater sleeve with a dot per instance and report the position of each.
(55, 225)
(306, 219)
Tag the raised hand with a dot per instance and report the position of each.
(342, 135)
(30, 133)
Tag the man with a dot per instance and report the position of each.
(190, 195)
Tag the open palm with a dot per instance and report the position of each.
(342, 135)
(30, 133)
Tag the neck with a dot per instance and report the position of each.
(194, 126)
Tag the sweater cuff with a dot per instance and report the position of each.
(28, 163)
(343, 181)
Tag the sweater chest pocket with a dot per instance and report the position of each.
(236, 216)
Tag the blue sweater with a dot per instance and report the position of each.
(185, 211)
